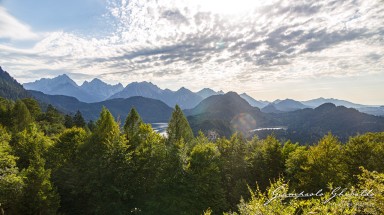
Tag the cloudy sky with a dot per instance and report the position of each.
(274, 49)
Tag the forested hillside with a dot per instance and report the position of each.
(55, 164)
(10, 88)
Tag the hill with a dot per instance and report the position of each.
(150, 110)
(225, 114)
(309, 125)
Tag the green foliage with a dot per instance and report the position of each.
(132, 125)
(107, 171)
(266, 161)
(33, 107)
(11, 183)
(78, 120)
(204, 179)
(6, 107)
(233, 167)
(39, 195)
(178, 127)
(52, 121)
(106, 128)
(367, 198)
(324, 165)
(365, 150)
(68, 121)
(29, 143)
(21, 118)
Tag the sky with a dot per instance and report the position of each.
(274, 49)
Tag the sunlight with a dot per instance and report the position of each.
(230, 6)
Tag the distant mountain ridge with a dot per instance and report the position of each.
(100, 89)
(183, 97)
(93, 91)
(286, 105)
(97, 91)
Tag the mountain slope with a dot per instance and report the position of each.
(149, 109)
(10, 88)
(253, 102)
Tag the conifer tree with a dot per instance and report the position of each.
(78, 120)
(132, 124)
(68, 121)
(178, 127)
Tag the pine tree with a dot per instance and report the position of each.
(78, 120)
(68, 121)
(178, 127)
(132, 124)
(106, 127)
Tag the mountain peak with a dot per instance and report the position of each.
(183, 89)
(96, 80)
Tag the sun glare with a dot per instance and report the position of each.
(230, 6)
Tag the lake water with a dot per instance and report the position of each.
(160, 127)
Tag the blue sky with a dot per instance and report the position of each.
(269, 49)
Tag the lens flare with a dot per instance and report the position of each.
(243, 123)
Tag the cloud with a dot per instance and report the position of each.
(11, 28)
(183, 42)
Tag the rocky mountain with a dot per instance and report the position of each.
(10, 88)
(100, 89)
(93, 91)
(150, 110)
(183, 97)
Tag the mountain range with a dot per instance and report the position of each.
(220, 113)
(97, 91)
(94, 91)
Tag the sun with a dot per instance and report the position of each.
(230, 6)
